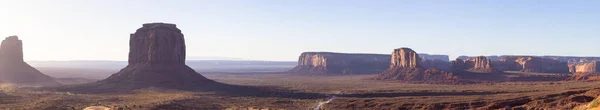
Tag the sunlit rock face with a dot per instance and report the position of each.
(406, 66)
(591, 67)
(474, 64)
(157, 59)
(340, 63)
(14, 70)
(531, 64)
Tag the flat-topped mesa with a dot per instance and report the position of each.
(474, 64)
(530, 64)
(405, 58)
(591, 67)
(406, 66)
(157, 43)
(156, 59)
(11, 50)
(14, 70)
(340, 63)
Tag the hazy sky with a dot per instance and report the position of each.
(282, 29)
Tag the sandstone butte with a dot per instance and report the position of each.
(16, 71)
(406, 66)
(530, 64)
(156, 59)
(351, 63)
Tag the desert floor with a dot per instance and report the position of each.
(351, 91)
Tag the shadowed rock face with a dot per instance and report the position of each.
(406, 66)
(14, 70)
(340, 63)
(591, 67)
(157, 59)
(530, 64)
(474, 64)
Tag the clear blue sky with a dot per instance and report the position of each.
(282, 29)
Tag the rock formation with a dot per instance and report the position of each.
(340, 63)
(568, 59)
(437, 64)
(425, 56)
(474, 64)
(156, 59)
(572, 59)
(406, 66)
(14, 70)
(530, 64)
(591, 67)
(572, 68)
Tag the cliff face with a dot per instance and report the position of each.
(157, 59)
(474, 64)
(406, 66)
(14, 70)
(340, 63)
(531, 64)
(591, 67)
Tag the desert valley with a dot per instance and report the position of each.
(158, 77)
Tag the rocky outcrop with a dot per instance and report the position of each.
(14, 70)
(530, 64)
(591, 67)
(156, 59)
(474, 64)
(406, 66)
(340, 63)
(572, 68)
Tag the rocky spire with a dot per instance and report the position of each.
(14, 70)
(11, 50)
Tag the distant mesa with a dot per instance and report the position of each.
(406, 66)
(340, 63)
(14, 70)
(568, 59)
(531, 64)
(353, 63)
(425, 56)
(157, 55)
(475, 64)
